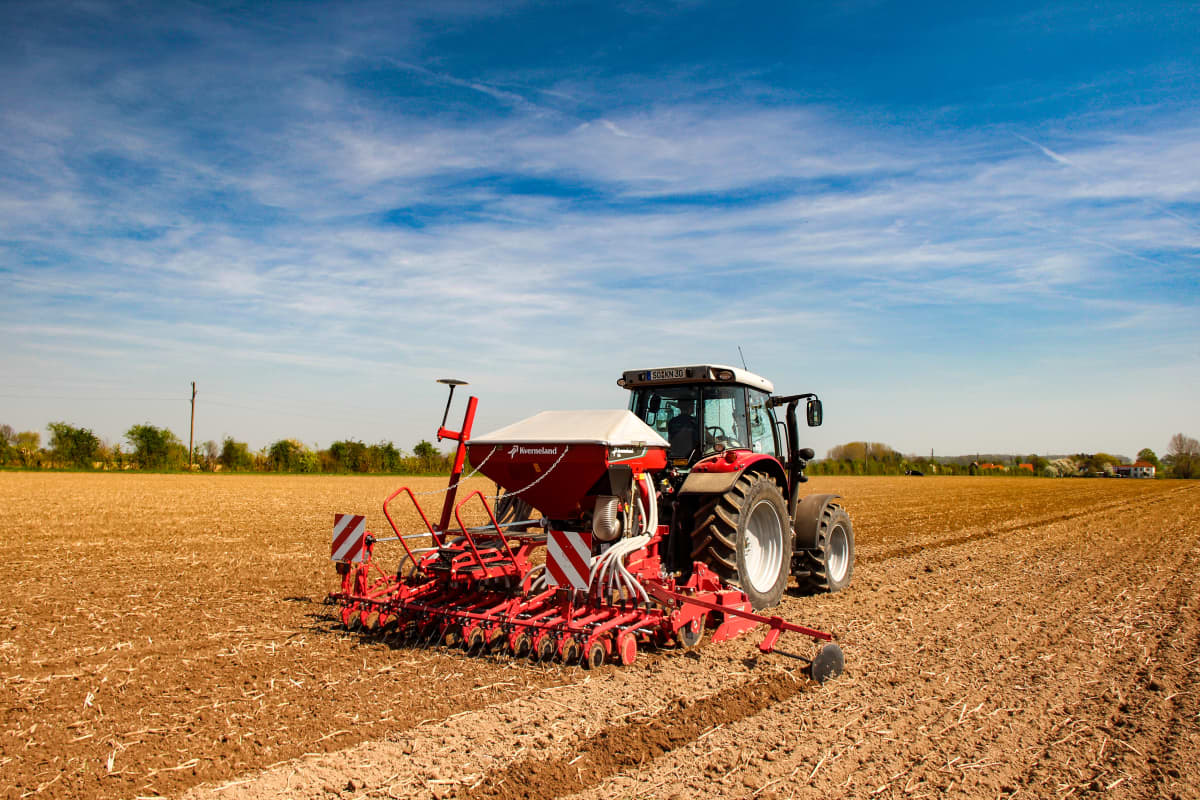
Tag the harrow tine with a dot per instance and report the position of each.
(429, 636)
(453, 636)
(385, 628)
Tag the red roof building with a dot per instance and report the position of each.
(1138, 469)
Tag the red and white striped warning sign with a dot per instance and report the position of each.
(568, 558)
(349, 537)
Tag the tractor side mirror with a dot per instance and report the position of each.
(814, 412)
(654, 404)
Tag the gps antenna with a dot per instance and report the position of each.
(451, 382)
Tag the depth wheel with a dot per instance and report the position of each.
(496, 640)
(745, 536)
(522, 645)
(544, 649)
(595, 656)
(571, 650)
(475, 642)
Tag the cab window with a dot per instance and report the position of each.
(762, 424)
(724, 418)
(671, 410)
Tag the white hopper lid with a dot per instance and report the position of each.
(607, 427)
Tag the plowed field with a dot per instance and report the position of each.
(164, 636)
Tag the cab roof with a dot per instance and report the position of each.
(697, 373)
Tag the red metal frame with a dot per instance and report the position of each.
(460, 456)
(453, 596)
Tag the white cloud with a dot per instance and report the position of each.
(263, 243)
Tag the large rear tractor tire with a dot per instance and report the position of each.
(830, 565)
(744, 535)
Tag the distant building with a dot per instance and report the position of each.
(1027, 467)
(1138, 469)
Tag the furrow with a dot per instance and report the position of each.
(994, 531)
(959, 711)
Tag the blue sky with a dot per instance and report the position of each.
(969, 227)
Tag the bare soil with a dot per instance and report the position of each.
(164, 636)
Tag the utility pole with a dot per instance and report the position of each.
(192, 429)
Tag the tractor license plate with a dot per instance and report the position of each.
(666, 374)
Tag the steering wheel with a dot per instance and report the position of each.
(720, 432)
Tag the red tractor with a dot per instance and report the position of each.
(681, 515)
(731, 491)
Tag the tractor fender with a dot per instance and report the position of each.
(808, 513)
(702, 482)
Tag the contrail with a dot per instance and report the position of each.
(1061, 159)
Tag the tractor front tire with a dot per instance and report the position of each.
(830, 565)
(745, 536)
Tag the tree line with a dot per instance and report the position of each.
(875, 458)
(148, 447)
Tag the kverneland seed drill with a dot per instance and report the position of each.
(680, 515)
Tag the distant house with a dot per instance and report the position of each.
(999, 467)
(1138, 469)
(1028, 467)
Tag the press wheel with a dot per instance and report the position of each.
(595, 656)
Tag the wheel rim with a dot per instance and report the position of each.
(839, 554)
(762, 546)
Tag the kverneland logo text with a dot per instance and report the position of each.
(517, 450)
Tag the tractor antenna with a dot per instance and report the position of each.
(743, 358)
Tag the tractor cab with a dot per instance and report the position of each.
(705, 410)
(730, 493)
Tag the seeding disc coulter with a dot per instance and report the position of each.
(654, 525)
